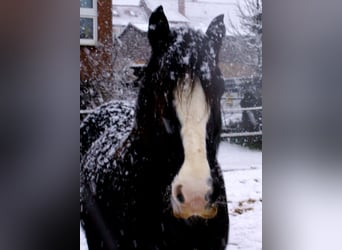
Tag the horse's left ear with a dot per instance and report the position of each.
(158, 30)
(215, 32)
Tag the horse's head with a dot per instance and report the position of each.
(187, 87)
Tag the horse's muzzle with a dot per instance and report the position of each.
(194, 206)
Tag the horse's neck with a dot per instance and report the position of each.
(145, 111)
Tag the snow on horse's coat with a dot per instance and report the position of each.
(160, 186)
(116, 116)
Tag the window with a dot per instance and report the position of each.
(88, 22)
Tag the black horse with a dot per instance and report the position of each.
(160, 185)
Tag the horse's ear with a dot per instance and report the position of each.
(158, 29)
(215, 32)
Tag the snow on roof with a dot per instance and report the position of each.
(201, 13)
(214, 1)
(141, 26)
(198, 14)
(136, 16)
(170, 9)
(126, 2)
(144, 26)
(123, 15)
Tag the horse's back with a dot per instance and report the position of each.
(114, 115)
(102, 133)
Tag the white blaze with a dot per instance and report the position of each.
(193, 114)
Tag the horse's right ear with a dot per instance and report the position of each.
(216, 32)
(158, 29)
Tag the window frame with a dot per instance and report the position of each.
(90, 13)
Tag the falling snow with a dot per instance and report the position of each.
(152, 27)
(242, 169)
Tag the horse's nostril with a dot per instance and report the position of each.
(179, 194)
(208, 196)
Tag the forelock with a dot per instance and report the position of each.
(189, 52)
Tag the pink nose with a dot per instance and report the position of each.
(187, 203)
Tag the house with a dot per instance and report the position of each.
(101, 21)
(128, 12)
(96, 40)
(134, 45)
(195, 13)
(113, 39)
(233, 54)
(130, 21)
(130, 25)
(137, 13)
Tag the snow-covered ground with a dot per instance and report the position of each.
(242, 169)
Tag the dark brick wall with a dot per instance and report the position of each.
(96, 61)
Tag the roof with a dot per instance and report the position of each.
(198, 14)
(138, 17)
(201, 13)
(126, 2)
(123, 15)
(170, 9)
(215, 1)
(129, 27)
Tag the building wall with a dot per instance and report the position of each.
(96, 61)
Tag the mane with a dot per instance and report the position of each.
(187, 53)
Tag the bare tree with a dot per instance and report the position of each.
(119, 84)
(249, 33)
(248, 42)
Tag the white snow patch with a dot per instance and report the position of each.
(205, 70)
(186, 59)
(83, 241)
(242, 171)
(179, 38)
(152, 27)
(127, 2)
